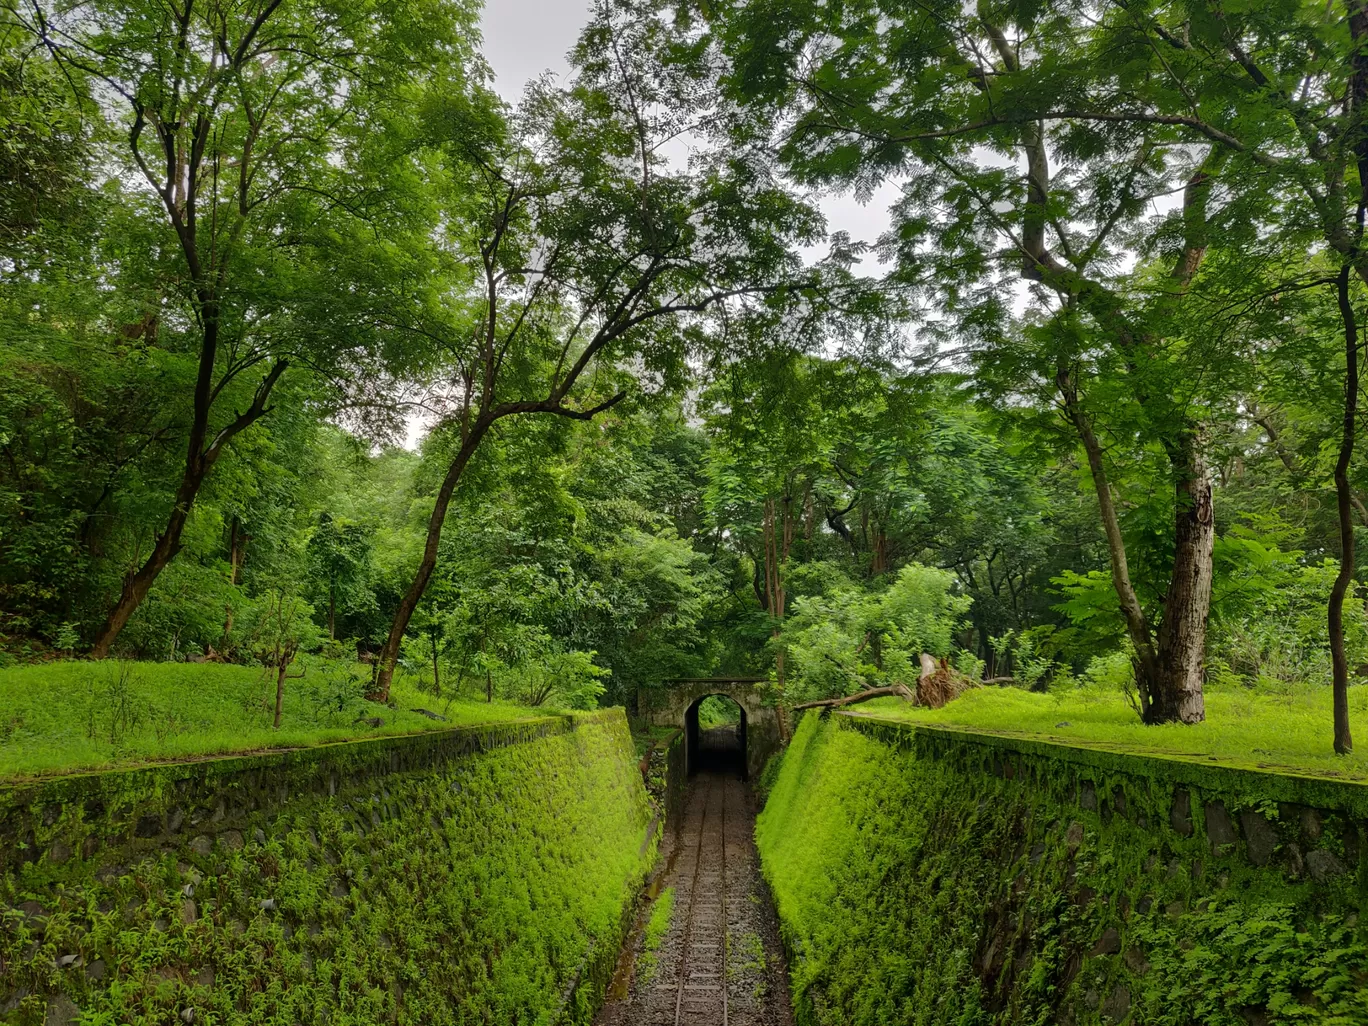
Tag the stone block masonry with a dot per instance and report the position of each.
(474, 875)
(928, 875)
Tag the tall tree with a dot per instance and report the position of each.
(867, 94)
(246, 123)
(596, 260)
(1344, 502)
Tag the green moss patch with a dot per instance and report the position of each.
(938, 880)
(480, 875)
(656, 927)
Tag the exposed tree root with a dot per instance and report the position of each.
(940, 683)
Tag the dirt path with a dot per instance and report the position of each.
(719, 962)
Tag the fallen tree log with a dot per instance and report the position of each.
(901, 690)
(940, 683)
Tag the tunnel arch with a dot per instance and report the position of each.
(696, 757)
(669, 706)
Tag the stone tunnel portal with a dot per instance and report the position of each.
(721, 748)
(676, 705)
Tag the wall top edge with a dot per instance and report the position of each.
(75, 784)
(1266, 781)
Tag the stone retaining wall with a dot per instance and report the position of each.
(462, 876)
(928, 875)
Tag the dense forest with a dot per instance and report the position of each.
(1085, 417)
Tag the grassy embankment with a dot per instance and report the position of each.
(1287, 732)
(77, 715)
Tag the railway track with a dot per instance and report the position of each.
(720, 962)
(701, 991)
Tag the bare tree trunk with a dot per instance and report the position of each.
(281, 666)
(777, 528)
(985, 646)
(1344, 741)
(284, 657)
(233, 530)
(436, 669)
(901, 690)
(809, 513)
(878, 559)
(1182, 632)
(237, 552)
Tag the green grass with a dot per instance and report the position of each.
(77, 715)
(645, 736)
(717, 711)
(656, 928)
(1287, 732)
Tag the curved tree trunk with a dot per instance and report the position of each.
(389, 654)
(1168, 673)
(137, 585)
(1344, 741)
(1147, 675)
(199, 459)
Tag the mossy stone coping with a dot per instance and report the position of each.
(1259, 782)
(1309, 826)
(146, 805)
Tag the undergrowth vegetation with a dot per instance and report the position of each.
(656, 927)
(928, 891)
(72, 715)
(717, 711)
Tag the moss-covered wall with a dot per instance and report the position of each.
(662, 768)
(477, 875)
(929, 876)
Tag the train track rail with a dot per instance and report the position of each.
(720, 961)
(701, 987)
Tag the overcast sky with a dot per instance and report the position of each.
(523, 38)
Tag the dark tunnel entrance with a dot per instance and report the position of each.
(715, 735)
